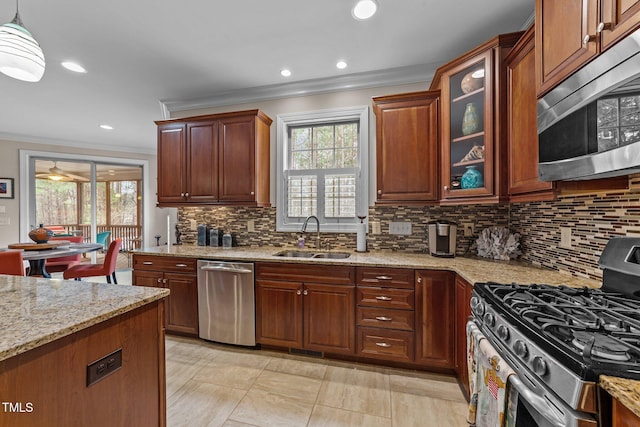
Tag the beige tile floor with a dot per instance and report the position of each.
(215, 385)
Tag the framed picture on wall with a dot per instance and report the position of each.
(6, 188)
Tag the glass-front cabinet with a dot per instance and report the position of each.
(473, 131)
(467, 132)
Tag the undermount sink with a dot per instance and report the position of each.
(332, 255)
(305, 254)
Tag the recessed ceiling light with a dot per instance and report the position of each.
(364, 9)
(285, 72)
(73, 66)
(106, 127)
(341, 65)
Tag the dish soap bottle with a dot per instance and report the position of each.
(300, 243)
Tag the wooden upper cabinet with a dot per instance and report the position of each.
(473, 135)
(569, 33)
(407, 148)
(202, 161)
(171, 163)
(220, 159)
(522, 140)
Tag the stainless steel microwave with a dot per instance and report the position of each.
(589, 125)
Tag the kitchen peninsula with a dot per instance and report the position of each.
(80, 353)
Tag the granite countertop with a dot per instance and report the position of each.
(471, 269)
(625, 390)
(36, 311)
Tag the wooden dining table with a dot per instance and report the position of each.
(37, 257)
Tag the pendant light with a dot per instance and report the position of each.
(20, 54)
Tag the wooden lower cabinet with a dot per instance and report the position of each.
(180, 277)
(307, 307)
(52, 378)
(463, 291)
(623, 416)
(434, 318)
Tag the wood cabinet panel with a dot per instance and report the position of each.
(406, 148)
(385, 318)
(434, 318)
(386, 297)
(279, 313)
(202, 161)
(385, 277)
(307, 273)
(463, 291)
(522, 123)
(237, 159)
(619, 17)
(53, 377)
(386, 344)
(177, 274)
(171, 162)
(623, 416)
(329, 318)
(561, 27)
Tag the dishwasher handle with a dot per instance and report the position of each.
(225, 269)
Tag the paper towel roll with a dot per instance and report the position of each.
(361, 237)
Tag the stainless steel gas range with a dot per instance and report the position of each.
(558, 340)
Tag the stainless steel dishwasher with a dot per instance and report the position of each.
(226, 302)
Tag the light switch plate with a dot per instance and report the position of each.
(3, 209)
(402, 228)
(5, 220)
(375, 227)
(251, 225)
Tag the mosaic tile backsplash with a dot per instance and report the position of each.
(592, 218)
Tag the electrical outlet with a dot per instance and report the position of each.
(105, 366)
(375, 227)
(469, 229)
(565, 237)
(193, 225)
(251, 225)
(402, 228)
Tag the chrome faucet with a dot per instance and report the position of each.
(304, 229)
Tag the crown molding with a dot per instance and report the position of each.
(388, 77)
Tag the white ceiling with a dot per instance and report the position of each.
(146, 55)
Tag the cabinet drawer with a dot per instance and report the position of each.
(165, 264)
(385, 277)
(386, 297)
(386, 344)
(306, 273)
(385, 318)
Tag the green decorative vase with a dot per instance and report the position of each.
(470, 120)
(472, 178)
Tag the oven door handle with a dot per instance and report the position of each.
(550, 413)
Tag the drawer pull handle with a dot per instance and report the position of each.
(147, 263)
(384, 319)
(383, 344)
(181, 265)
(384, 277)
(383, 298)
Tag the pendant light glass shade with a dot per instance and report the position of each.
(20, 55)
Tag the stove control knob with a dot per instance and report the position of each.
(490, 319)
(520, 348)
(539, 366)
(477, 307)
(503, 332)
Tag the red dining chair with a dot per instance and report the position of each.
(56, 265)
(108, 268)
(11, 263)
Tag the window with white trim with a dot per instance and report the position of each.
(322, 168)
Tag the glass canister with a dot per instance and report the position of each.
(227, 241)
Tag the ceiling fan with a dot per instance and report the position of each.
(57, 174)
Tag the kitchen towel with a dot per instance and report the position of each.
(492, 398)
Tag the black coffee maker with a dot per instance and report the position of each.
(442, 238)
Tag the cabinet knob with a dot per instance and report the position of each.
(383, 344)
(588, 38)
(306, 292)
(419, 279)
(181, 194)
(384, 318)
(253, 193)
(159, 280)
(379, 191)
(446, 188)
(604, 26)
(298, 292)
(164, 281)
(383, 298)
(186, 194)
